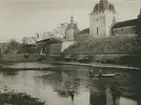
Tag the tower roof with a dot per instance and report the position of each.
(72, 19)
(126, 23)
(103, 0)
(72, 25)
(102, 6)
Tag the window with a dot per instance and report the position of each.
(97, 30)
(97, 20)
(110, 7)
(42, 51)
(97, 8)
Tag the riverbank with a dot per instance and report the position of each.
(12, 97)
(92, 65)
(24, 65)
(14, 59)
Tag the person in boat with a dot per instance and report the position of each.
(100, 73)
(91, 72)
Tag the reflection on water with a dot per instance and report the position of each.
(72, 86)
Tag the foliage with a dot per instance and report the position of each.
(58, 32)
(11, 47)
(127, 44)
(29, 40)
(16, 98)
(111, 45)
(41, 58)
(27, 49)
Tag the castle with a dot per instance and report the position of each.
(71, 30)
(102, 18)
(102, 24)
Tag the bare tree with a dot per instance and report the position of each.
(60, 30)
(29, 40)
(25, 41)
(59, 33)
(13, 46)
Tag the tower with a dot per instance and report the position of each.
(71, 30)
(72, 19)
(139, 23)
(101, 19)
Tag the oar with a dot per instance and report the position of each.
(96, 75)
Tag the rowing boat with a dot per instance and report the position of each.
(103, 75)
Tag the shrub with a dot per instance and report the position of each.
(126, 44)
(41, 58)
(16, 98)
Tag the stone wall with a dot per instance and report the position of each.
(124, 30)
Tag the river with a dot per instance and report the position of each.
(71, 85)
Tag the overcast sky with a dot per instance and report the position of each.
(19, 18)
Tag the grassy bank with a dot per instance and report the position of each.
(121, 50)
(12, 97)
(9, 58)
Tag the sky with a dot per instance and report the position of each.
(20, 18)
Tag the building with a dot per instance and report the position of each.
(103, 22)
(70, 38)
(57, 49)
(127, 27)
(104, 35)
(101, 19)
(54, 47)
(43, 46)
(107, 40)
(71, 30)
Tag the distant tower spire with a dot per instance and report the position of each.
(139, 16)
(72, 18)
(103, 0)
(114, 20)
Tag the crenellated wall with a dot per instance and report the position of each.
(100, 23)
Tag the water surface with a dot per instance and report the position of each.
(71, 85)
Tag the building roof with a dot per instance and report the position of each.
(50, 40)
(84, 31)
(133, 22)
(72, 25)
(102, 6)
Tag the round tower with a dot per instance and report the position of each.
(101, 19)
(71, 30)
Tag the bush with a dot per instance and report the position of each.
(41, 58)
(16, 98)
(86, 45)
(57, 58)
(26, 56)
